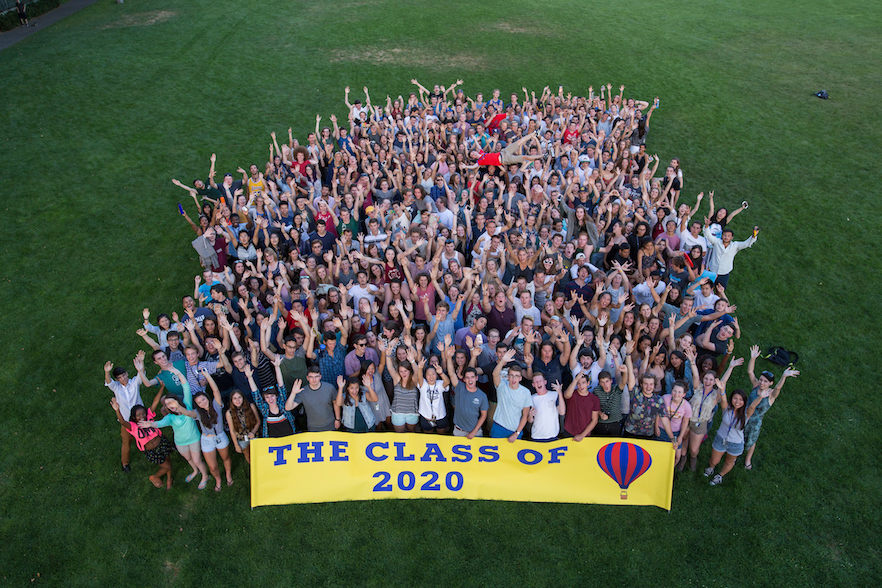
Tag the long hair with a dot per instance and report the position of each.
(250, 419)
(206, 417)
(680, 372)
(347, 397)
(174, 397)
(739, 415)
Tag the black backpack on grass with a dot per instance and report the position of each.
(781, 356)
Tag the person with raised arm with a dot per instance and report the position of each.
(127, 392)
(707, 394)
(352, 399)
(761, 386)
(729, 440)
(546, 411)
(721, 260)
(150, 440)
(243, 421)
(274, 404)
(214, 439)
(513, 400)
(182, 418)
(405, 399)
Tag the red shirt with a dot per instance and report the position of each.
(579, 411)
(490, 159)
(494, 122)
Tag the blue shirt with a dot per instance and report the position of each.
(446, 327)
(331, 365)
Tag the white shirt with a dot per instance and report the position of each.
(702, 302)
(521, 312)
(592, 374)
(446, 218)
(546, 424)
(357, 293)
(127, 396)
(687, 241)
(721, 260)
(484, 239)
(432, 400)
(643, 295)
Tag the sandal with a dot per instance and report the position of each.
(189, 478)
(217, 488)
(156, 481)
(229, 482)
(748, 466)
(202, 484)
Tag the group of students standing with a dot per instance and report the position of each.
(455, 266)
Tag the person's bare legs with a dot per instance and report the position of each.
(694, 446)
(748, 458)
(729, 464)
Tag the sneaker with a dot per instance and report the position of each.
(718, 479)
(126, 469)
(708, 472)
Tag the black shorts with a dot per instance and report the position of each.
(426, 425)
(160, 453)
(613, 429)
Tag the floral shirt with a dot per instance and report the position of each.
(644, 409)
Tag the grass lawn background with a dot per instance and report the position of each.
(101, 110)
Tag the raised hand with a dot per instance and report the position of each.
(754, 351)
(146, 313)
(296, 387)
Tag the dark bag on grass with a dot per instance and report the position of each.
(781, 356)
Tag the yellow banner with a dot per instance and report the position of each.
(329, 467)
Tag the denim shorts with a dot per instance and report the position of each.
(209, 444)
(663, 436)
(399, 419)
(720, 445)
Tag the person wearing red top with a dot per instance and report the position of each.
(508, 156)
(571, 132)
(583, 409)
(150, 440)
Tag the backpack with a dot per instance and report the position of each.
(781, 356)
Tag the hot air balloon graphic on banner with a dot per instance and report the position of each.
(624, 463)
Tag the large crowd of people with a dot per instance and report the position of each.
(518, 267)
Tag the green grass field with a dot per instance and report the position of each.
(101, 110)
